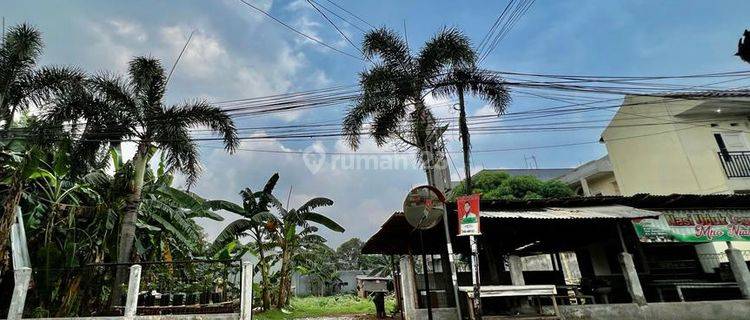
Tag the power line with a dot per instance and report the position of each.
(517, 12)
(489, 33)
(176, 61)
(316, 40)
(337, 28)
(350, 13)
(340, 17)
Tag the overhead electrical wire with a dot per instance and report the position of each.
(336, 95)
(343, 35)
(351, 13)
(356, 26)
(293, 29)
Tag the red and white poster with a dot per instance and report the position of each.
(468, 215)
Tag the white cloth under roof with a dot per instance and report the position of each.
(595, 212)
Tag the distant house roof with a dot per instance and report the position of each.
(591, 169)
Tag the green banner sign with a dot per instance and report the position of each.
(695, 226)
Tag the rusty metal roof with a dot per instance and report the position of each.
(595, 212)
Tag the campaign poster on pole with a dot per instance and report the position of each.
(468, 215)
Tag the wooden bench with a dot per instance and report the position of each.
(513, 291)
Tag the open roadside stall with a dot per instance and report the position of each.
(618, 252)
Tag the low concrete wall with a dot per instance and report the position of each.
(219, 316)
(697, 310)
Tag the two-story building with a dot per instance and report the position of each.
(685, 143)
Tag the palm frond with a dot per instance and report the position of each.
(447, 49)
(201, 113)
(181, 150)
(148, 79)
(388, 45)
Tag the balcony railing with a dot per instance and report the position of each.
(736, 163)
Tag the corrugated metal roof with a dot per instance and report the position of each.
(596, 212)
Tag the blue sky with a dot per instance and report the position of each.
(238, 53)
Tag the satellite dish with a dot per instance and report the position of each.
(424, 207)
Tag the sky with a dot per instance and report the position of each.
(237, 53)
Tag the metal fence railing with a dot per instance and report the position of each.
(736, 164)
(187, 287)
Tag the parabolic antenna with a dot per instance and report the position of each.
(424, 207)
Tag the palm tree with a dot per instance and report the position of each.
(291, 232)
(482, 83)
(132, 109)
(255, 211)
(394, 88)
(22, 85)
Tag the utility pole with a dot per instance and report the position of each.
(428, 301)
(477, 301)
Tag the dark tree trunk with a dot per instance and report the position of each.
(464, 129)
(6, 221)
(265, 285)
(284, 280)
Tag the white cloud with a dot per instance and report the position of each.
(204, 58)
(485, 110)
(210, 67)
(129, 29)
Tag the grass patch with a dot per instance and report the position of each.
(326, 306)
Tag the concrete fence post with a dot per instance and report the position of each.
(740, 271)
(134, 283)
(22, 277)
(632, 281)
(408, 288)
(246, 290)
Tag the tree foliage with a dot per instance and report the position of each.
(495, 185)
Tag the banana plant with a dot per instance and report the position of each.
(255, 213)
(167, 217)
(291, 230)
